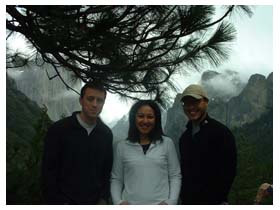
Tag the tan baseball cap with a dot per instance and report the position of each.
(195, 91)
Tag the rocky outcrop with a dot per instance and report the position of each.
(176, 121)
(22, 113)
(120, 130)
(254, 100)
(33, 81)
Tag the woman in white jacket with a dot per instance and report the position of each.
(146, 169)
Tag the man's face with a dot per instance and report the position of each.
(92, 103)
(195, 109)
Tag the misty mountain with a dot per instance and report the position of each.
(222, 86)
(176, 120)
(120, 130)
(255, 159)
(26, 125)
(33, 81)
(20, 114)
(254, 100)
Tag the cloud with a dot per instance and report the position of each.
(223, 85)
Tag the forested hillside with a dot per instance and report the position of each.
(255, 159)
(26, 127)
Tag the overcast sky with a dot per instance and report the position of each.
(252, 52)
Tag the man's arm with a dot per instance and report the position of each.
(107, 170)
(174, 174)
(228, 164)
(117, 175)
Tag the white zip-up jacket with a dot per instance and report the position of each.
(145, 178)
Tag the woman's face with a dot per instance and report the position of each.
(145, 120)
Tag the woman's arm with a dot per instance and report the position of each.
(174, 174)
(117, 176)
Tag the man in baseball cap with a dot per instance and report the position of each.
(195, 103)
(195, 91)
(208, 152)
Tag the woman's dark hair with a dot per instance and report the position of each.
(133, 133)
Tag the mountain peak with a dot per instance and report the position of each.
(207, 75)
(256, 78)
(270, 77)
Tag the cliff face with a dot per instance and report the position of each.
(21, 112)
(35, 84)
(120, 130)
(176, 121)
(252, 102)
(26, 126)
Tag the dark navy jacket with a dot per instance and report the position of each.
(76, 166)
(208, 163)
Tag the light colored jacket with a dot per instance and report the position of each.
(145, 178)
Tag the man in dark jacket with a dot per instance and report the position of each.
(208, 153)
(77, 158)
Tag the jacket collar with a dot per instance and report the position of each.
(77, 124)
(201, 124)
(137, 143)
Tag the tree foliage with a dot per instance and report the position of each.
(24, 161)
(133, 50)
(255, 159)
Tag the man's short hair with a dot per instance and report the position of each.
(93, 85)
